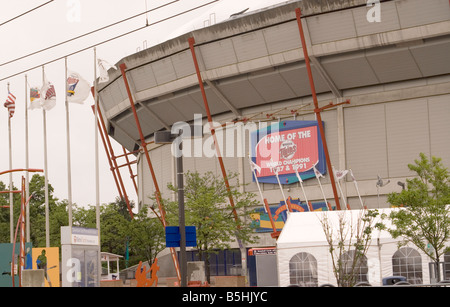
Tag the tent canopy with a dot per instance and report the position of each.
(304, 229)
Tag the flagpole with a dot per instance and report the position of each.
(97, 176)
(11, 211)
(357, 189)
(340, 189)
(301, 185)
(97, 196)
(69, 169)
(266, 204)
(256, 178)
(321, 188)
(281, 188)
(47, 221)
(27, 179)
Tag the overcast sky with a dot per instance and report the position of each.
(59, 21)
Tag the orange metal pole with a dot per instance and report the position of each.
(129, 167)
(316, 108)
(103, 128)
(31, 170)
(275, 233)
(211, 128)
(111, 167)
(14, 191)
(149, 162)
(143, 143)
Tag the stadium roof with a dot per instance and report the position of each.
(256, 59)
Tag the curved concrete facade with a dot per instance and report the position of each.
(396, 74)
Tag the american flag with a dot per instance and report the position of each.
(10, 104)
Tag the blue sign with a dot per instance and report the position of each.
(173, 236)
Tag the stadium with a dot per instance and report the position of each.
(382, 77)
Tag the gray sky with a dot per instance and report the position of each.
(61, 20)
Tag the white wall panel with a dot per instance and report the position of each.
(407, 134)
(365, 138)
(439, 112)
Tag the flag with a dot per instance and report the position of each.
(10, 104)
(35, 98)
(103, 69)
(357, 189)
(317, 173)
(340, 174)
(381, 182)
(353, 177)
(298, 176)
(48, 96)
(255, 166)
(78, 88)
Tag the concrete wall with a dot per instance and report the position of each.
(382, 130)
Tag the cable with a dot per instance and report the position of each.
(85, 34)
(20, 15)
(108, 40)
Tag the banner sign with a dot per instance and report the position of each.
(285, 147)
(84, 236)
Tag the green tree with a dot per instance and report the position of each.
(114, 222)
(146, 237)
(208, 209)
(57, 213)
(4, 214)
(424, 216)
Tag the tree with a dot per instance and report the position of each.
(146, 236)
(208, 209)
(349, 240)
(424, 214)
(57, 213)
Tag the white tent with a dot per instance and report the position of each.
(303, 254)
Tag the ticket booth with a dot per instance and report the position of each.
(110, 266)
(80, 265)
(262, 266)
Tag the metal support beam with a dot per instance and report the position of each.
(219, 155)
(317, 110)
(142, 104)
(213, 132)
(132, 176)
(110, 154)
(326, 77)
(149, 162)
(152, 114)
(224, 99)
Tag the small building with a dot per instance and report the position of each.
(110, 266)
(304, 258)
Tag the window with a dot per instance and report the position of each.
(222, 263)
(353, 270)
(447, 266)
(303, 270)
(407, 262)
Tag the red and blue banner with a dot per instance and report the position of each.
(285, 147)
